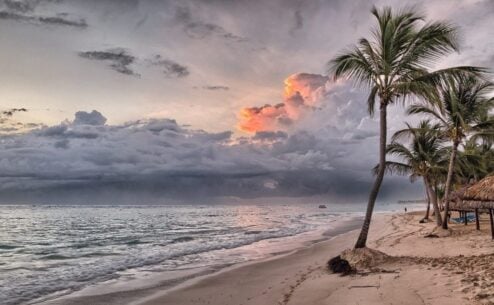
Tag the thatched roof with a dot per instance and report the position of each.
(480, 191)
(468, 205)
(477, 196)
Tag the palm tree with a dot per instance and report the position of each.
(394, 64)
(475, 161)
(472, 164)
(462, 111)
(422, 158)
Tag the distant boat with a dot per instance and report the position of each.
(322, 206)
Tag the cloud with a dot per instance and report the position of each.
(25, 11)
(67, 132)
(62, 144)
(302, 93)
(8, 125)
(86, 125)
(306, 142)
(94, 118)
(12, 111)
(215, 88)
(147, 161)
(20, 6)
(270, 135)
(59, 20)
(118, 58)
(170, 68)
(298, 22)
(122, 61)
(48, 20)
(198, 29)
(264, 118)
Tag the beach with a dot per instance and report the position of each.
(243, 152)
(456, 269)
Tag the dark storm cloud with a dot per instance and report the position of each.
(169, 68)
(119, 59)
(152, 160)
(205, 187)
(158, 158)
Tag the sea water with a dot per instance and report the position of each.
(48, 251)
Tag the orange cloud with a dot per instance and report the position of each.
(255, 119)
(301, 93)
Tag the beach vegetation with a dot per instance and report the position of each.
(396, 64)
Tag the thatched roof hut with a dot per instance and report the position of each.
(481, 191)
(477, 197)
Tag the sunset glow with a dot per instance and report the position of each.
(302, 92)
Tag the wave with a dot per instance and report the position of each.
(136, 242)
(80, 259)
(8, 247)
(98, 254)
(87, 244)
(252, 232)
(182, 239)
(55, 257)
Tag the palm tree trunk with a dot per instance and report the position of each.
(435, 188)
(362, 239)
(448, 182)
(428, 209)
(435, 206)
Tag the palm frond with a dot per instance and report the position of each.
(393, 167)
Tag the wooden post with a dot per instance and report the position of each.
(492, 223)
(477, 221)
(465, 219)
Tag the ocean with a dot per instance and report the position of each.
(51, 251)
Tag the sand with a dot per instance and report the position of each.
(458, 269)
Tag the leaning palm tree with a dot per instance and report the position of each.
(395, 65)
(422, 158)
(463, 112)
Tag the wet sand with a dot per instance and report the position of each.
(458, 269)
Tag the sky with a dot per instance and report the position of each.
(144, 101)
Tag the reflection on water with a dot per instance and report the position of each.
(46, 249)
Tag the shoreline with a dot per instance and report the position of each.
(127, 293)
(454, 270)
(423, 271)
